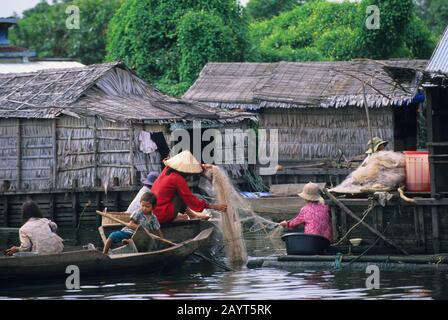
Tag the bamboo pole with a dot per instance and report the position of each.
(351, 214)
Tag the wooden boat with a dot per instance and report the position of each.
(190, 235)
(283, 204)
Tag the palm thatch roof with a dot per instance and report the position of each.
(110, 91)
(303, 84)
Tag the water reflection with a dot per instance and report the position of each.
(199, 280)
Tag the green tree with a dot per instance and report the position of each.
(43, 29)
(320, 30)
(143, 33)
(203, 37)
(395, 18)
(434, 13)
(266, 9)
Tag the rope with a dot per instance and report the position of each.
(364, 215)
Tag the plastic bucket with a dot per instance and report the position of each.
(417, 171)
(304, 244)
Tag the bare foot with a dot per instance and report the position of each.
(182, 217)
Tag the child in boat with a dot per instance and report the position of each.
(143, 216)
(315, 215)
(37, 233)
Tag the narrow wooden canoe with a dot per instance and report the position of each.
(93, 261)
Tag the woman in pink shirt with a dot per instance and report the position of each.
(315, 215)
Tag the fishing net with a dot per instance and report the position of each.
(382, 171)
(239, 212)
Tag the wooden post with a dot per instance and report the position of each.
(380, 221)
(421, 224)
(98, 205)
(52, 207)
(416, 226)
(55, 155)
(19, 155)
(131, 153)
(344, 227)
(6, 212)
(116, 201)
(75, 208)
(435, 229)
(354, 216)
(334, 222)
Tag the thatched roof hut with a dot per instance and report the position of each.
(315, 105)
(80, 127)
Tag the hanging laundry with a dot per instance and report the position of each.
(162, 145)
(147, 145)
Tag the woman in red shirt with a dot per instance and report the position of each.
(173, 193)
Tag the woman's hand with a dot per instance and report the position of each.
(207, 166)
(219, 207)
(284, 224)
(12, 250)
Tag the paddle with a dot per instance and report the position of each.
(166, 241)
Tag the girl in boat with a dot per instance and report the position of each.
(37, 233)
(143, 216)
(315, 215)
(175, 201)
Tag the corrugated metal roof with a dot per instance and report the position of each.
(439, 59)
(37, 66)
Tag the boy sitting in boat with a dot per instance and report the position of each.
(315, 215)
(143, 216)
(37, 233)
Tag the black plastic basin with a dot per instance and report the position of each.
(303, 244)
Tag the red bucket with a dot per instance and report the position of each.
(417, 171)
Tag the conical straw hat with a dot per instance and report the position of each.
(184, 162)
(310, 192)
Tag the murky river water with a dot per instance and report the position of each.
(200, 280)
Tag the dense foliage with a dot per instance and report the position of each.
(144, 34)
(434, 13)
(43, 29)
(320, 30)
(265, 9)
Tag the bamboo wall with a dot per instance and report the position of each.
(318, 133)
(88, 153)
